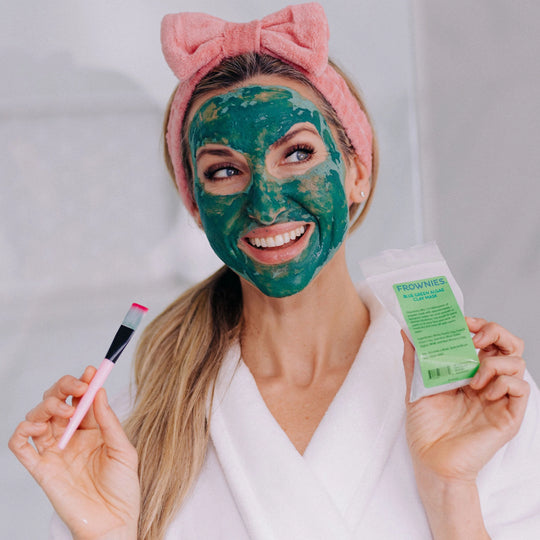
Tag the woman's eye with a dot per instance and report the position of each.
(299, 154)
(221, 173)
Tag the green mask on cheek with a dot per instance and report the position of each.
(250, 120)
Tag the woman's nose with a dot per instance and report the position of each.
(266, 200)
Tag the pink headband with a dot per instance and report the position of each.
(195, 43)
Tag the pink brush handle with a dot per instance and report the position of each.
(82, 408)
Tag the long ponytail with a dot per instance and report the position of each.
(176, 366)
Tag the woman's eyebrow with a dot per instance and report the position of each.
(226, 152)
(286, 138)
(221, 152)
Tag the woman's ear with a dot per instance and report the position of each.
(357, 185)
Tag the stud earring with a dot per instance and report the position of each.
(362, 194)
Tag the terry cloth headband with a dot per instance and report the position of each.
(195, 43)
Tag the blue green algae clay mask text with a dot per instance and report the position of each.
(269, 185)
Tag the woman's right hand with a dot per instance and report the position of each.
(93, 483)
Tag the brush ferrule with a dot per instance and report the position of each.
(121, 339)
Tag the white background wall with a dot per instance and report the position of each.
(478, 81)
(91, 223)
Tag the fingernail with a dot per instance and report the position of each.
(478, 337)
(476, 378)
(65, 406)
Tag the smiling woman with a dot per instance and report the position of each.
(272, 398)
(270, 188)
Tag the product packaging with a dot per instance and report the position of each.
(417, 288)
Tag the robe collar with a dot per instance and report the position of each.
(324, 493)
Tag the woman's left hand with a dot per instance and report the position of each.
(452, 435)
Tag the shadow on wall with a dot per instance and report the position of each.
(86, 200)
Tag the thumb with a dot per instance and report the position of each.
(113, 434)
(408, 364)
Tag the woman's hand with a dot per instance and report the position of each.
(452, 435)
(456, 433)
(93, 483)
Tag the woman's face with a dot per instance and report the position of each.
(269, 183)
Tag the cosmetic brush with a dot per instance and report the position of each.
(123, 335)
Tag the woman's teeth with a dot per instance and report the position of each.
(279, 239)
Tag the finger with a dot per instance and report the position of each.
(20, 446)
(88, 374)
(65, 387)
(114, 436)
(475, 323)
(505, 385)
(512, 394)
(89, 421)
(408, 364)
(493, 366)
(519, 392)
(492, 334)
(49, 408)
(86, 378)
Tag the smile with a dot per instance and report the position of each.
(278, 240)
(277, 244)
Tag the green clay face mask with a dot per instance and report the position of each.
(269, 185)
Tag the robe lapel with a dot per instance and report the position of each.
(353, 441)
(323, 494)
(277, 494)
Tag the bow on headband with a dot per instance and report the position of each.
(195, 43)
(299, 33)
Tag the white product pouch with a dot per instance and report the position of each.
(416, 286)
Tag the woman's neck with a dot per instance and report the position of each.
(301, 338)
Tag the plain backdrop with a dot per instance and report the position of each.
(91, 222)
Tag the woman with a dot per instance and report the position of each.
(271, 402)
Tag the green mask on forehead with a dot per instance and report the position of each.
(250, 120)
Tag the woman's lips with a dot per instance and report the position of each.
(278, 240)
(277, 243)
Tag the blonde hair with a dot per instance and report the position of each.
(180, 352)
(176, 366)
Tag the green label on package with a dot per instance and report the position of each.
(438, 329)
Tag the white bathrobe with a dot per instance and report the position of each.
(355, 479)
